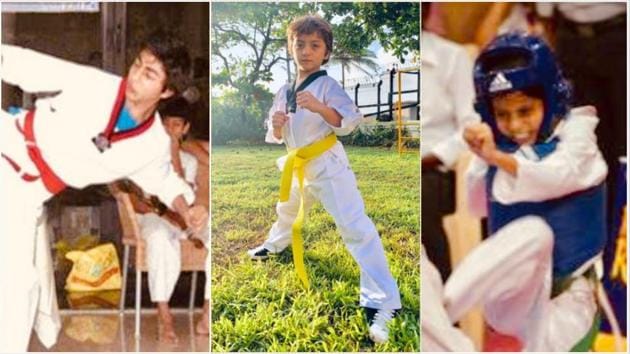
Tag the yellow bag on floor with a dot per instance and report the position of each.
(95, 269)
(100, 299)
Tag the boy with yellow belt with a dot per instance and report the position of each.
(306, 116)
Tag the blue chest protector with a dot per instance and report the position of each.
(577, 219)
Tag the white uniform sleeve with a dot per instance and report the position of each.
(476, 187)
(337, 99)
(159, 178)
(37, 72)
(575, 165)
(275, 106)
(190, 168)
(461, 89)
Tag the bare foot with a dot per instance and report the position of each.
(166, 329)
(202, 327)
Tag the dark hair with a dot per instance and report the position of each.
(176, 107)
(173, 54)
(310, 24)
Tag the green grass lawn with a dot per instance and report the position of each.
(261, 306)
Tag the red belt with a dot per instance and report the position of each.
(51, 181)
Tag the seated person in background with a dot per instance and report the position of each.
(162, 229)
(199, 149)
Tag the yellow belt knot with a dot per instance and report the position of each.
(295, 163)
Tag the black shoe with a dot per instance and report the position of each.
(259, 253)
(369, 314)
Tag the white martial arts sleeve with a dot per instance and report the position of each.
(190, 165)
(337, 99)
(575, 165)
(476, 187)
(275, 106)
(159, 178)
(460, 85)
(37, 72)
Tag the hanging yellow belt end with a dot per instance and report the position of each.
(295, 163)
(287, 176)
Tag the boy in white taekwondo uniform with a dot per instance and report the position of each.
(80, 136)
(307, 118)
(539, 176)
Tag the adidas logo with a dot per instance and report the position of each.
(500, 83)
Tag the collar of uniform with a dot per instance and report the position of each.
(292, 91)
(109, 133)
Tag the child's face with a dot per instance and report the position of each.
(176, 127)
(518, 116)
(309, 52)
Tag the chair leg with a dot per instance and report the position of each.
(138, 301)
(193, 290)
(122, 333)
(123, 291)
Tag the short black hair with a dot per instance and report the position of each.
(176, 107)
(173, 54)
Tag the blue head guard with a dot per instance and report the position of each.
(537, 67)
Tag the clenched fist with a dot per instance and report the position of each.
(480, 139)
(306, 100)
(279, 119)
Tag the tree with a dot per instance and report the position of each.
(247, 42)
(249, 39)
(363, 60)
(228, 127)
(396, 25)
(257, 31)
